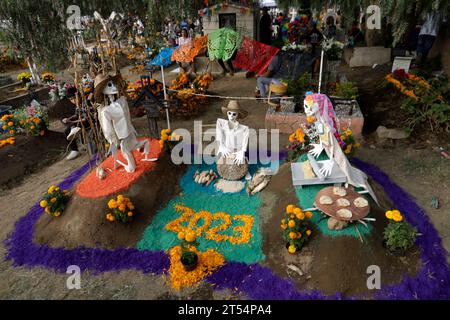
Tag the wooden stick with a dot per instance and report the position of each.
(360, 237)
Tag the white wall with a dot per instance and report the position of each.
(244, 22)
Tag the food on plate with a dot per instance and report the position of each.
(325, 200)
(342, 202)
(339, 191)
(360, 202)
(344, 213)
(308, 172)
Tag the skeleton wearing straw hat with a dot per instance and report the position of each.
(115, 121)
(233, 139)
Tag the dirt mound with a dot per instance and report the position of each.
(84, 224)
(330, 264)
(28, 155)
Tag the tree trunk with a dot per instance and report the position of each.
(35, 79)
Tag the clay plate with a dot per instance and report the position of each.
(331, 209)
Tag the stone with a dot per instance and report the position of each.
(230, 171)
(385, 133)
(334, 224)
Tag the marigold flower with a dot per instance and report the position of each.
(297, 211)
(53, 200)
(290, 208)
(291, 223)
(389, 214)
(308, 232)
(292, 248)
(43, 203)
(181, 235)
(190, 237)
(130, 213)
(308, 214)
(292, 235)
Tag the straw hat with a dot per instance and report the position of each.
(234, 106)
(101, 81)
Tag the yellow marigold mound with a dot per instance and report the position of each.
(208, 262)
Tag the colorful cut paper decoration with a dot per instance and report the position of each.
(222, 43)
(163, 57)
(117, 180)
(254, 56)
(188, 52)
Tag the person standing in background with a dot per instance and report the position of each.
(427, 35)
(265, 27)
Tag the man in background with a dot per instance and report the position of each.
(265, 27)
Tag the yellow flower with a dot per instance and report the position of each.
(181, 235)
(292, 235)
(43, 203)
(308, 232)
(122, 207)
(130, 214)
(283, 226)
(308, 214)
(301, 216)
(53, 200)
(190, 237)
(397, 216)
(51, 189)
(299, 235)
(120, 198)
(57, 213)
(112, 204)
(32, 127)
(47, 210)
(10, 124)
(292, 138)
(290, 208)
(11, 132)
(348, 132)
(4, 127)
(291, 223)
(130, 206)
(297, 211)
(389, 214)
(292, 248)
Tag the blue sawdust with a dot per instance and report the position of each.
(306, 196)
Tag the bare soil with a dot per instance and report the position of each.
(29, 154)
(83, 222)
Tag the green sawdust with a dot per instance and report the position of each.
(198, 198)
(306, 196)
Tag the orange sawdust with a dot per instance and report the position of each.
(117, 180)
(208, 262)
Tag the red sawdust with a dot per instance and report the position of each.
(117, 180)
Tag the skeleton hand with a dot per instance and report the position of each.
(240, 158)
(326, 168)
(317, 150)
(224, 151)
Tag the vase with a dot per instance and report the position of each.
(189, 266)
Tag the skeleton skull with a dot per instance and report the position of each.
(311, 107)
(110, 89)
(232, 115)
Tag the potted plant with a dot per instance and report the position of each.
(189, 257)
(399, 235)
(295, 228)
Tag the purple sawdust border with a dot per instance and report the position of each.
(257, 282)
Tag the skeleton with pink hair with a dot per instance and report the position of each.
(319, 106)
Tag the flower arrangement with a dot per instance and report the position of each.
(9, 124)
(58, 91)
(295, 47)
(207, 263)
(168, 139)
(295, 228)
(202, 82)
(348, 142)
(122, 209)
(35, 126)
(189, 257)
(408, 83)
(55, 201)
(333, 49)
(8, 141)
(180, 81)
(398, 235)
(48, 77)
(24, 77)
(298, 141)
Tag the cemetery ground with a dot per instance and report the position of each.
(415, 164)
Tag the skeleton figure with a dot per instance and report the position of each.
(231, 135)
(115, 121)
(320, 107)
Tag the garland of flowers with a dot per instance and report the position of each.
(400, 75)
(8, 141)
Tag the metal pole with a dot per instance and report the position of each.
(165, 97)
(320, 72)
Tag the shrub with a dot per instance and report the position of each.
(295, 228)
(399, 234)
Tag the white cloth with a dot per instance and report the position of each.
(235, 139)
(115, 121)
(431, 25)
